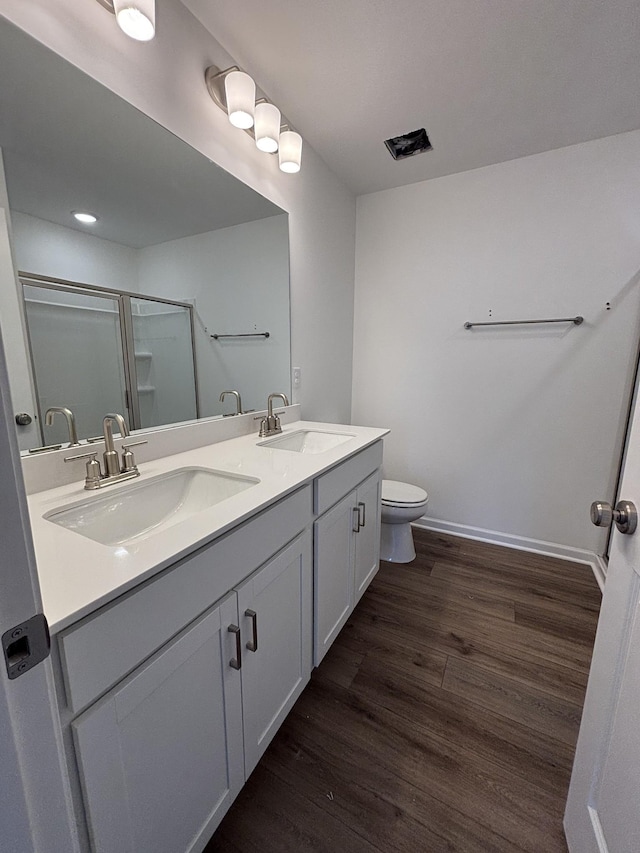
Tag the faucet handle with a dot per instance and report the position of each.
(94, 471)
(134, 443)
(128, 460)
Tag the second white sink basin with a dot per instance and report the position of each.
(146, 507)
(307, 441)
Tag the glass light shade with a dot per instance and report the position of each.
(267, 128)
(241, 99)
(290, 151)
(136, 18)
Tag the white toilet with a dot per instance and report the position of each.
(402, 503)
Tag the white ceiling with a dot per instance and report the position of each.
(68, 144)
(490, 80)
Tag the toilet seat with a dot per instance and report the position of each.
(395, 493)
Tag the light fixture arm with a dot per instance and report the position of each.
(214, 78)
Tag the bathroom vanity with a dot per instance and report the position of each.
(179, 651)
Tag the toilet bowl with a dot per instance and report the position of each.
(402, 503)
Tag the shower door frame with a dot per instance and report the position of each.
(125, 318)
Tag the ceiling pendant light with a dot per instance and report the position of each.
(267, 127)
(240, 92)
(290, 152)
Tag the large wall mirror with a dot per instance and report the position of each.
(178, 292)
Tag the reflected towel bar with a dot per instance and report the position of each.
(245, 335)
(576, 320)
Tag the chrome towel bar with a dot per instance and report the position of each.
(577, 320)
(244, 335)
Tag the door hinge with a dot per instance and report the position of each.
(26, 645)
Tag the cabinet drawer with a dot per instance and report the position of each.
(335, 484)
(102, 649)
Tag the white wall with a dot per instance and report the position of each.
(165, 79)
(239, 279)
(43, 248)
(510, 429)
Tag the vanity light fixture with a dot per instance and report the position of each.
(267, 127)
(136, 18)
(290, 152)
(234, 91)
(240, 91)
(85, 217)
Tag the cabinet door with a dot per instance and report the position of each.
(334, 549)
(160, 756)
(274, 607)
(367, 559)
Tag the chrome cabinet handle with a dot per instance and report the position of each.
(356, 523)
(252, 645)
(364, 515)
(236, 663)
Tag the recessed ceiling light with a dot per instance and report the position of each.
(84, 217)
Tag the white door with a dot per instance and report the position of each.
(35, 813)
(603, 808)
(367, 557)
(275, 618)
(334, 553)
(161, 755)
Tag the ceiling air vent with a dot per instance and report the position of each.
(408, 144)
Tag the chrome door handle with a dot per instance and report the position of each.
(625, 515)
(252, 645)
(362, 523)
(356, 523)
(236, 662)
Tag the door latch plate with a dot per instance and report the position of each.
(26, 645)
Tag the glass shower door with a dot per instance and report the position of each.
(164, 362)
(77, 355)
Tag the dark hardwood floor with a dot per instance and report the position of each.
(444, 717)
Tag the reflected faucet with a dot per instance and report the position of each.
(71, 422)
(236, 394)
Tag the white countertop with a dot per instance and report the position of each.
(78, 575)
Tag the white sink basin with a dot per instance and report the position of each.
(146, 507)
(307, 441)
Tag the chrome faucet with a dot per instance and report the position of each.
(110, 455)
(71, 422)
(236, 394)
(113, 471)
(271, 424)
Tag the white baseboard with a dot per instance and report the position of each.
(536, 546)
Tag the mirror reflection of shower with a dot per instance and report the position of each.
(96, 350)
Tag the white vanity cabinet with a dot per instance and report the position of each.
(170, 699)
(170, 694)
(160, 757)
(163, 755)
(346, 542)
